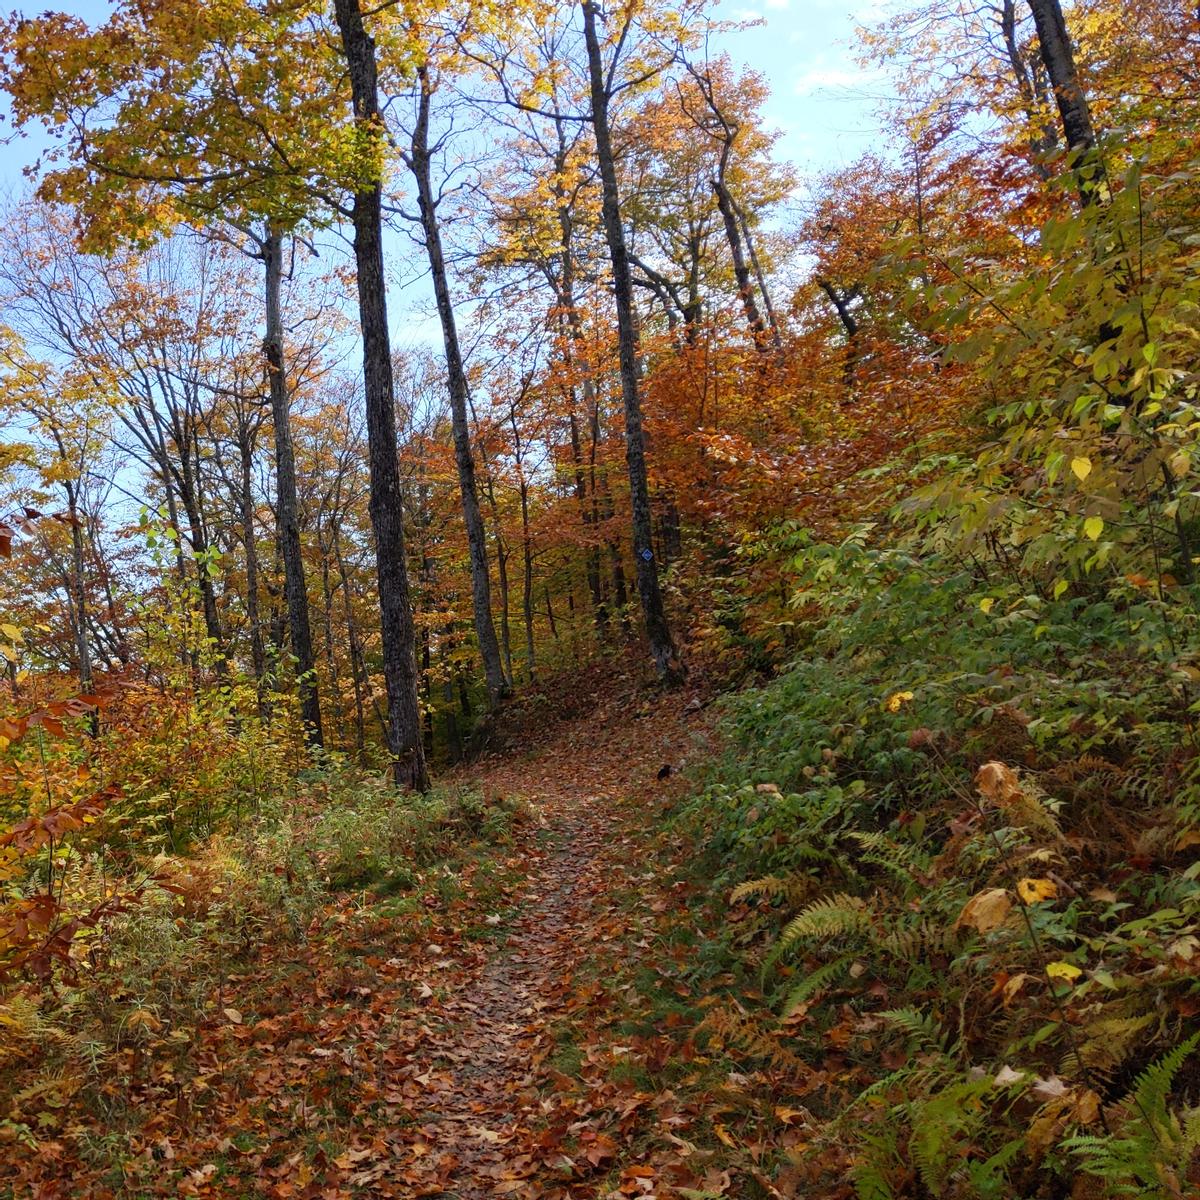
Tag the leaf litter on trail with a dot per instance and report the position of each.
(417, 1056)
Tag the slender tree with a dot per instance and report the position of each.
(387, 515)
(287, 506)
(666, 658)
(418, 157)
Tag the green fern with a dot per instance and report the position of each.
(1151, 1155)
(900, 860)
(813, 983)
(923, 1029)
(943, 1128)
(829, 917)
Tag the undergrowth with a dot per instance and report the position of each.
(958, 839)
(125, 1013)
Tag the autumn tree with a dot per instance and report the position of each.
(604, 81)
(387, 513)
(422, 147)
(206, 116)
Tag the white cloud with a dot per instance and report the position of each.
(820, 78)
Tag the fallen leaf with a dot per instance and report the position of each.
(1063, 970)
(998, 784)
(986, 910)
(1051, 1088)
(1033, 891)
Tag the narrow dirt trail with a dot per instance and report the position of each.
(481, 1111)
(482, 1060)
(404, 1045)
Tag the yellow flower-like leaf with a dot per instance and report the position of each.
(1063, 970)
(1034, 890)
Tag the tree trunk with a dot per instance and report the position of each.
(420, 164)
(357, 667)
(78, 594)
(505, 603)
(331, 667)
(1059, 61)
(501, 571)
(387, 516)
(759, 273)
(575, 338)
(258, 655)
(527, 581)
(1043, 137)
(287, 503)
(666, 660)
(599, 609)
(741, 269)
(208, 593)
(841, 302)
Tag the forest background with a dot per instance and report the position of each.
(902, 457)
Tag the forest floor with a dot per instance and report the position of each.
(455, 1041)
(592, 787)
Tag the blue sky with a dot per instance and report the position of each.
(821, 101)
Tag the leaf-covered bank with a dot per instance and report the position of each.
(928, 925)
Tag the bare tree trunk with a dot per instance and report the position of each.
(599, 609)
(387, 514)
(575, 337)
(505, 603)
(1059, 60)
(527, 581)
(841, 302)
(662, 648)
(420, 164)
(79, 593)
(1042, 135)
(198, 539)
(741, 270)
(454, 737)
(287, 503)
(339, 710)
(357, 667)
(258, 656)
(502, 553)
(759, 273)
